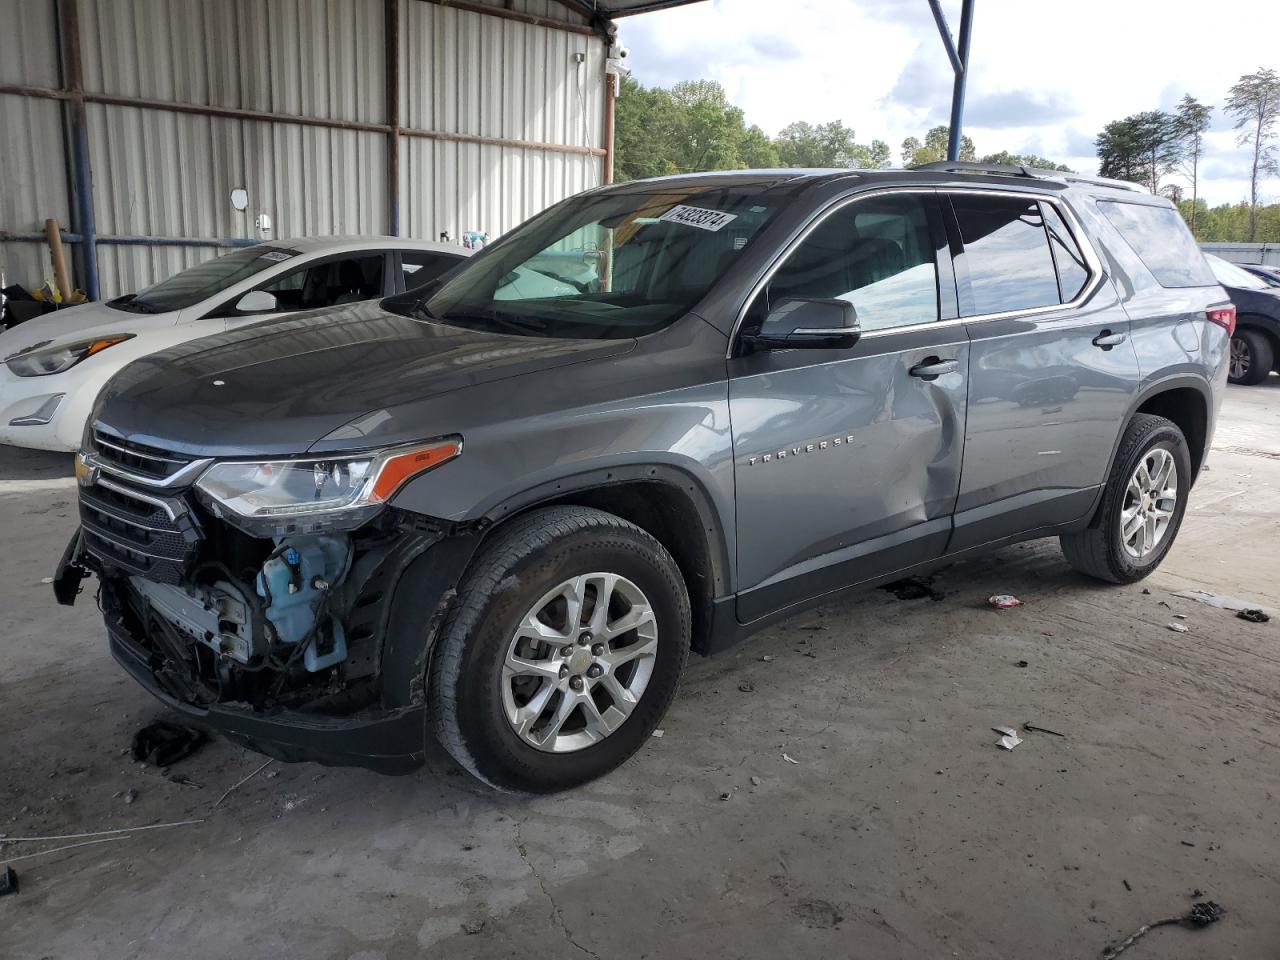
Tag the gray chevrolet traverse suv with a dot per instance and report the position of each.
(501, 510)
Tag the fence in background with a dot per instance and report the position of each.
(1268, 253)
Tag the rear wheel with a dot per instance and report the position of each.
(565, 650)
(1252, 357)
(1142, 505)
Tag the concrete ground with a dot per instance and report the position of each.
(844, 798)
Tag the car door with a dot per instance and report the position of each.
(1052, 370)
(847, 461)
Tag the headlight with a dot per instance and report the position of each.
(335, 492)
(40, 361)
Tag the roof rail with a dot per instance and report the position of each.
(1035, 173)
(970, 166)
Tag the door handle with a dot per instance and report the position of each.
(1106, 339)
(932, 368)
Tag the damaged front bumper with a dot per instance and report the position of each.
(368, 710)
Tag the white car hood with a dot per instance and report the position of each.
(78, 323)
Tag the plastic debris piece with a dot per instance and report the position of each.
(789, 759)
(768, 658)
(1253, 615)
(1022, 663)
(1008, 738)
(658, 734)
(8, 881)
(726, 796)
(1179, 628)
(746, 686)
(755, 781)
(1003, 601)
(1179, 616)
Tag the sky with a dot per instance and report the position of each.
(1045, 78)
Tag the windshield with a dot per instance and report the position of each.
(203, 280)
(1229, 275)
(603, 266)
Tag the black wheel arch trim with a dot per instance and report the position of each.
(1166, 385)
(683, 482)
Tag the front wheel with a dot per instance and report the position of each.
(1142, 505)
(1251, 357)
(565, 649)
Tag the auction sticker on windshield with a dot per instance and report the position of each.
(698, 217)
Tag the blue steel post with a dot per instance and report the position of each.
(962, 76)
(78, 131)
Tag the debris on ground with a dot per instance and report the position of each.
(162, 744)
(1126, 885)
(8, 881)
(789, 759)
(1179, 616)
(183, 781)
(1179, 628)
(755, 781)
(746, 686)
(1214, 600)
(726, 796)
(130, 795)
(1253, 615)
(658, 733)
(1003, 601)
(1198, 917)
(1008, 738)
(1032, 728)
(914, 588)
(240, 783)
(768, 658)
(1022, 663)
(473, 926)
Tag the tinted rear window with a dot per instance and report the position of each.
(1161, 239)
(1007, 254)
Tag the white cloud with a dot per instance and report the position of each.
(1045, 76)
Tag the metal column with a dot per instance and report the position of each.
(959, 58)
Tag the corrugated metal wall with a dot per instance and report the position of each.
(33, 177)
(1268, 253)
(161, 173)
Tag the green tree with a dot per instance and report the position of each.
(1190, 123)
(934, 148)
(1254, 104)
(871, 156)
(1141, 148)
(1025, 160)
(802, 144)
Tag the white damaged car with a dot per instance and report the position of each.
(54, 365)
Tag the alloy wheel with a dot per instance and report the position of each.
(579, 662)
(1149, 503)
(1240, 360)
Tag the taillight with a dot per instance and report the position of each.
(1225, 317)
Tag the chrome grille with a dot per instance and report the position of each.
(136, 458)
(151, 536)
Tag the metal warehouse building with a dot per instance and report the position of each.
(144, 126)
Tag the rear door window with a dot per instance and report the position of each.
(422, 266)
(1073, 273)
(1161, 240)
(1006, 251)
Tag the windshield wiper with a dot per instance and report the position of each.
(522, 325)
(132, 304)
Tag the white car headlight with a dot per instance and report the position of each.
(324, 492)
(42, 360)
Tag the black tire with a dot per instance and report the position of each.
(525, 558)
(1098, 550)
(1251, 349)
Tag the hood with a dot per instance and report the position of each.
(77, 323)
(278, 386)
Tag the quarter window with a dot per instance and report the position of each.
(423, 266)
(877, 254)
(1007, 254)
(1159, 236)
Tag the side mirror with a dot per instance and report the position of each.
(256, 301)
(808, 322)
